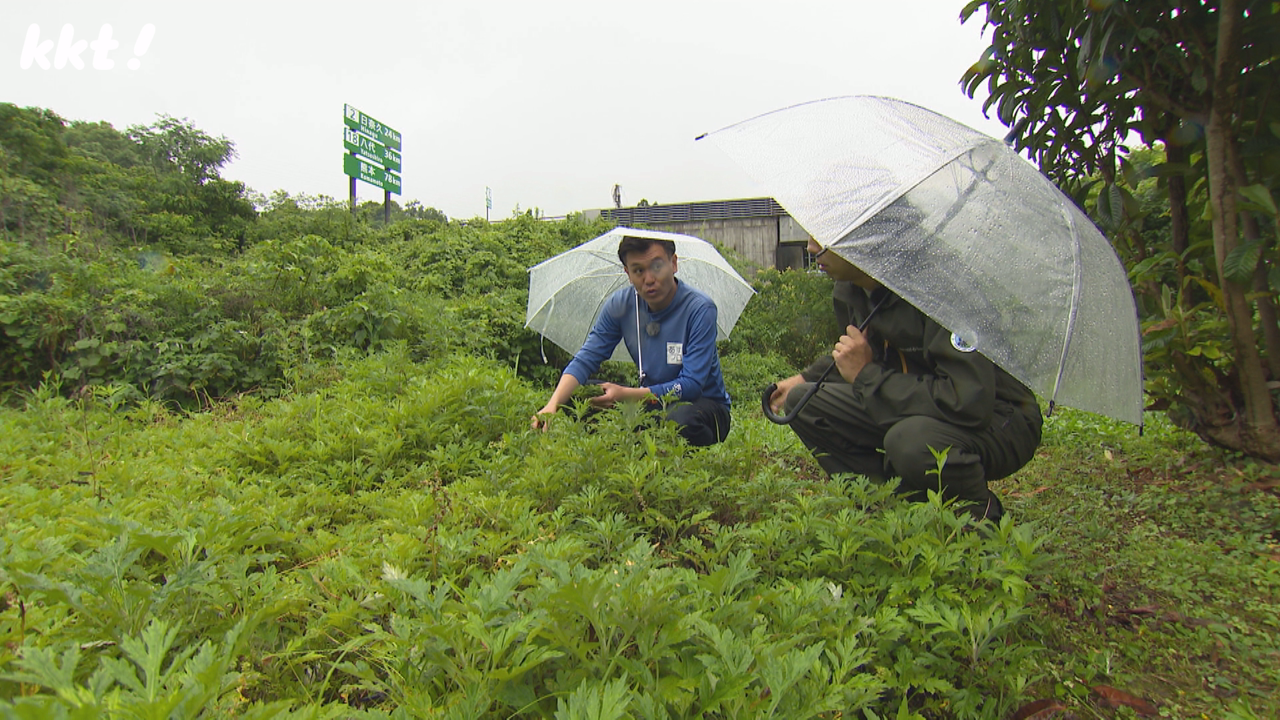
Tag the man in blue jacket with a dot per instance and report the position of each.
(670, 331)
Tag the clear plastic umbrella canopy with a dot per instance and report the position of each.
(965, 229)
(567, 291)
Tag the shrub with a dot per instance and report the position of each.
(790, 315)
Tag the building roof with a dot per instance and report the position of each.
(689, 212)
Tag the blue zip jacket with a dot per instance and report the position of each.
(680, 357)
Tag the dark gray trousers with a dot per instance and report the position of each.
(844, 439)
(702, 422)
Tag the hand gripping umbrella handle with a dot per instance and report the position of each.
(804, 400)
(813, 389)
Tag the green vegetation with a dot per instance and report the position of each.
(388, 537)
(394, 538)
(277, 462)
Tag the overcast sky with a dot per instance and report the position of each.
(548, 103)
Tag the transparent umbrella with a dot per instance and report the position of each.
(965, 229)
(567, 291)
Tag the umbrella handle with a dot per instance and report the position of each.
(795, 411)
(782, 419)
(768, 410)
(817, 385)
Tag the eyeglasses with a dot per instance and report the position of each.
(656, 267)
(821, 252)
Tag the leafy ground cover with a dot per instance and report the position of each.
(1165, 571)
(390, 540)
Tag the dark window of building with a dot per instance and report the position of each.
(810, 261)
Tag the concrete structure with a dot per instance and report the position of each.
(758, 229)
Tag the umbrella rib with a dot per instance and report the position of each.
(954, 211)
(905, 188)
(1074, 310)
(598, 254)
(546, 319)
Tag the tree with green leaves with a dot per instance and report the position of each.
(177, 145)
(1079, 82)
(32, 161)
(150, 185)
(186, 199)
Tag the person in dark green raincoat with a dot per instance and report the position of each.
(905, 386)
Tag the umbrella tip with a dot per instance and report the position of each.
(700, 137)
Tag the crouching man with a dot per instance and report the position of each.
(669, 329)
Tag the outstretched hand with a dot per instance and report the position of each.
(610, 393)
(541, 419)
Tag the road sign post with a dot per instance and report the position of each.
(353, 191)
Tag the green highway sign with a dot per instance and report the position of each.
(388, 158)
(357, 120)
(370, 173)
(373, 153)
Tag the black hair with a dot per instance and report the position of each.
(631, 243)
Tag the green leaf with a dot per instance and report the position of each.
(40, 666)
(1111, 205)
(592, 702)
(1206, 213)
(1259, 195)
(1164, 170)
(970, 9)
(1131, 174)
(1103, 206)
(1214, 292)
(1142, 268)
(1132, 208)
(1008, 107)
(1240, 263)
(780, 673)
(1198, 80)
(725, 581)
(1086, 50)
(1116, 203)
